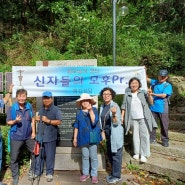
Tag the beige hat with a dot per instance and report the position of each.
(85, 96)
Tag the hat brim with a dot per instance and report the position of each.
(79, 101)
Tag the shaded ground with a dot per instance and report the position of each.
(131, 176)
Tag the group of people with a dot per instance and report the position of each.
(23, 131)
(139, 113)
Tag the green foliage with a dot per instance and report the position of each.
(132, 167)
(152, 34)
(6, 156)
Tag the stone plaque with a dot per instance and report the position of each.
(68, 108)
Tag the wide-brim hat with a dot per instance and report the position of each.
(85, 96)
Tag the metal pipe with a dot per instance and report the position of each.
(114, 31)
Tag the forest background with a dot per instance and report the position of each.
(152, 34)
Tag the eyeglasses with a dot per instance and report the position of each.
(107, 94)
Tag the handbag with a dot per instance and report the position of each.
(36, 149)
(94, 137)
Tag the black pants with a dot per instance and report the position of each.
(164, 124)
(15, 151)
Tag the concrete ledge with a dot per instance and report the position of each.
(69, 158)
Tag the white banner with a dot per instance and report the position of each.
(73, 81)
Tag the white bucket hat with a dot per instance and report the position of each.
(85, 96)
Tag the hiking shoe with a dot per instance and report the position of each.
(83, 178)
(136, 156)
(49, 178)
(143, 159)
(94, 180)
(113, 180)
(165, 144)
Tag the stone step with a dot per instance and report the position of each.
(177, 116)
(176, 136)
(169, 166)
(178, 109)
(176, 149)
(178, 126)
(167, 161)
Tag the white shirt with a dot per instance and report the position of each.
(136, 110)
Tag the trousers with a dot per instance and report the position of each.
(164, 124)
(15, 151)
(141, 137)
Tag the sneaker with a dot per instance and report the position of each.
(113, 180)
(136, 156)
(49, 178)
(83, 178)
(108, 177)
(143, 159)
(94, 180)
(31, 176)
(153, 141)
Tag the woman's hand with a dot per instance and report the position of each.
(75, 142)
(113, 110)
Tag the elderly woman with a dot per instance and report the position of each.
(86, 121)
(137, 116)
(110, 120)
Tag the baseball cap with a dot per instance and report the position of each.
(47, 93)
(163, 72)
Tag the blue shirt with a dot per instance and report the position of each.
(84, 125)
(160, 104)
(47, 132)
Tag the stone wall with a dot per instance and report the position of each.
(178, 97)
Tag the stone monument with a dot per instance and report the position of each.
(67, 156)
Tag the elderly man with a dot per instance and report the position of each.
(48, 120)
(21, 120)
(162, 90)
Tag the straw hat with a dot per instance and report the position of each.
(85, 96)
